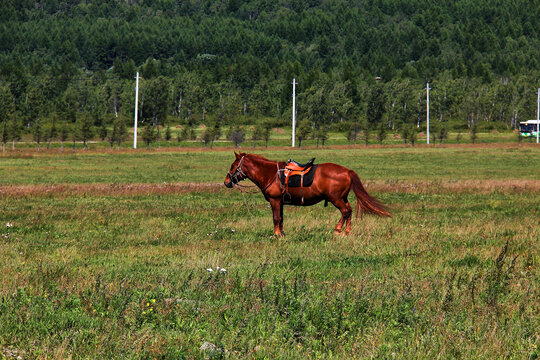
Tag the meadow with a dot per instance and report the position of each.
(145, 254)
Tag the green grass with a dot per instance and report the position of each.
(280, 137)
(391, 164)
(90, 275)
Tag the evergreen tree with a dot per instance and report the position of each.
(183, 134)
(322, 135)
(366, 132)
(413, 135)
(405, 133)
(481, 65)
(63, 134)
(158, 136)
(352, 132)
(215, 133)
(376, 105)
(4, 134)
(303, 131)
(121, 131)
(187, 133)
(442, 134)
(85, 130)
(103, 131)
(74, 135)
(258, 134)
(113, 135)
(15, 131)
(7, 104)
(37, 132)
(474, 133)
(267, 133)
(51, 132)
(149, 135)
(7, 108)
(381, 133)
(206, 137)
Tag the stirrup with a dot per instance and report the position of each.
(287, 198)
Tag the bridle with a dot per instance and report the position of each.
(239, 175)
(235, 176)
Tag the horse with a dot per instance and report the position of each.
(332, 183)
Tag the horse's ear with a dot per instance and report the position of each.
(237, 155)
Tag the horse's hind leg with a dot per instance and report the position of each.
(346, 213)
(277, 212)
(348, 219)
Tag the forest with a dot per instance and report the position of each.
(71, 64)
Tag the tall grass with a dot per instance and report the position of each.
(126, 276)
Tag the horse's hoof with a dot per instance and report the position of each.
(337, 232)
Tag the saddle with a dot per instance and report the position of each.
(293, 168)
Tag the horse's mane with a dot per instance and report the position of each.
(259, 157)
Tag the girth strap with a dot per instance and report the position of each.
(291, 169)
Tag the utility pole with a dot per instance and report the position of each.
(136, 110)
(293, 110)
(538, 116)
(427, 112)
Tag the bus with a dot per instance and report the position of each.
(528, 128)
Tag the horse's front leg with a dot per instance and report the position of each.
(281, 217)
(277, 209)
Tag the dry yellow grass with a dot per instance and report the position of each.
(412, 187)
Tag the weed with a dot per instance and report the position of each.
(498, 277)
(96, 270)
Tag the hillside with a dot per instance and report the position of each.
(233, 61)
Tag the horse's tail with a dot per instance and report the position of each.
(364, 201)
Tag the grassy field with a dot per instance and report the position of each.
(108, 255)
(279, 137)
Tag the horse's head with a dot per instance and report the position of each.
(236, 173)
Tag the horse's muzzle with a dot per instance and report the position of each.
(228, 184)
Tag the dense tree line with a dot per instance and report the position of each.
(68, 63)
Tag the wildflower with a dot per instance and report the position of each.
(223, 271)
(153, 300)
(144, 312)
(209, 270)
(9, 224)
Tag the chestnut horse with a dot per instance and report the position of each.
(332, 183)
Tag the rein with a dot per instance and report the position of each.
(236, 181)
(240, 186)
